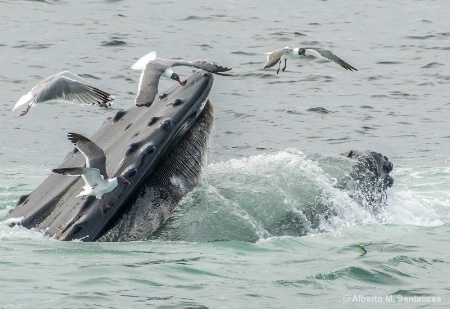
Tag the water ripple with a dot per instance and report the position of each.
(360, 274)
(114, 42)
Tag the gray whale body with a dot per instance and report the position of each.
(160, 149)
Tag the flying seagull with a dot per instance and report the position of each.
(64, 87)
(153, 68)
(281, 54)
(94, 174)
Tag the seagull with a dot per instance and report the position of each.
(153, 68)
(64, 87)
(94, 174)
(277, 56)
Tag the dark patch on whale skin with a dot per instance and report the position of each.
(130, 172)
(133, 147)
(166, 124)
(54, 206)
(153, 120)
(149, 149)
(23, 198)
(118, 115)
(177, 102)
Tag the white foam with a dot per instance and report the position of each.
(13, 221)
(179, 184)
(288, 174)
(407, 207)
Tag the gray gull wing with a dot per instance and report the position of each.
(330, 56)
(148, 82)
(95, 156)
(67, 89)
(199, 64)
(274, 57)
(91, 176)
(64, 86)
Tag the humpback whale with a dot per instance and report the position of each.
(160, 150)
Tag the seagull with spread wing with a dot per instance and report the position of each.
(64, 87)
(94, 174)
(281, 54)
(153, 68)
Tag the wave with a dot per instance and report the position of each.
(287, 193)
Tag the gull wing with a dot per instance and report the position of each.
(330, 56)
(200, 64)
(148, 82)
(25, 99)
(274, 57)
(67, 89)
(91, 176)
(152, 69)
(143, 61)
(95, 156)
(65, 86)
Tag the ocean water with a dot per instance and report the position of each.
(273, 137)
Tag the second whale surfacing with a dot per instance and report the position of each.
(160, 149)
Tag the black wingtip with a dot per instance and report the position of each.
(350, 68)
(223, 74)
(75, 137)
(220, 69)
(104, 98)
(58, 171)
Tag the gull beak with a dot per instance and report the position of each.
(182, 83)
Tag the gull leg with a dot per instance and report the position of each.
(284, 68)
(101, 208)
(279, 65)
(25, 111)
(106, 205)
